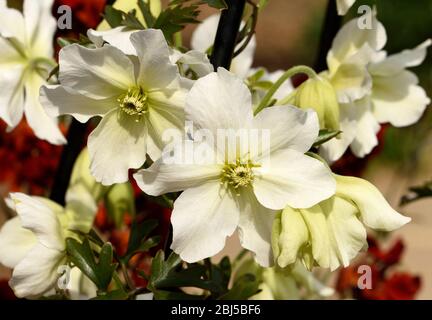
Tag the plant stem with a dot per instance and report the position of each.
(227, 33)
(288, 74)
(332, 24)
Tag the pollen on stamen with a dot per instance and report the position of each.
(134, 103)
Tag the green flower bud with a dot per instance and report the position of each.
(318, 94)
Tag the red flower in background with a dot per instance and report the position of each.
(28, 164)
(386, 283)
(86, 13)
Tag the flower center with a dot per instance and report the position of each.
(134, 102)
(238, 174)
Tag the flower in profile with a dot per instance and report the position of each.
(25, 63)
(372, 87)
(33, 243)
(138, 99)
(237, 185)
(332, 232)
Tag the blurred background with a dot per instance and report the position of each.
(288, 33)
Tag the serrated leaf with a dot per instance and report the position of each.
(130, 20)
(146, 12)
(139, 231)
(82, 256)
(325, 135)
(113, 16)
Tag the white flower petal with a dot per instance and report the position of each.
(294, 179)
(58, 100)
(166, 112)
(398, 99)
(242, 63)
(44, 126)
(37, 272)
(15, 242)
(219, 101)
(290, 127)
(398, 62)
(367, 129)
(292, 234)
(197, 61)
(255, 227)
(116, 145)
(202, 219)
(41, 219)
(374, 209)
(351, 38)
(11, 95)
(12, 24)
(118, 37)
(156, 70)
(336, 234)
(163, 178)
(97, 73)
(335, 148)
(40, 26)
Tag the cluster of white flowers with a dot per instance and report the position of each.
(287, 210)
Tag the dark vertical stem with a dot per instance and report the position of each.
(75, 138)
(332, 24)
(227, 33)
(223, 51)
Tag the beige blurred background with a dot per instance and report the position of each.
(287, 34)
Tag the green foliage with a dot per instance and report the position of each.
(171, 20)
(170, 275)
(100, 270)
(139, 240)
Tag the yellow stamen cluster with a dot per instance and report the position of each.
(134, 102)
(238, 174)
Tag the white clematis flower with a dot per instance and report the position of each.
(137, 98)
(372, 88)
(331, 233)
(343, 6)
(26, 59)
(33, 243)
(237, 187)
(204, 36)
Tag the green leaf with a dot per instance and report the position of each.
(130, 20)
(245, 287)
(82, 256)
(113, 16)
(146, 12)
(120, 200)
(140, 231)
(325, 135)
